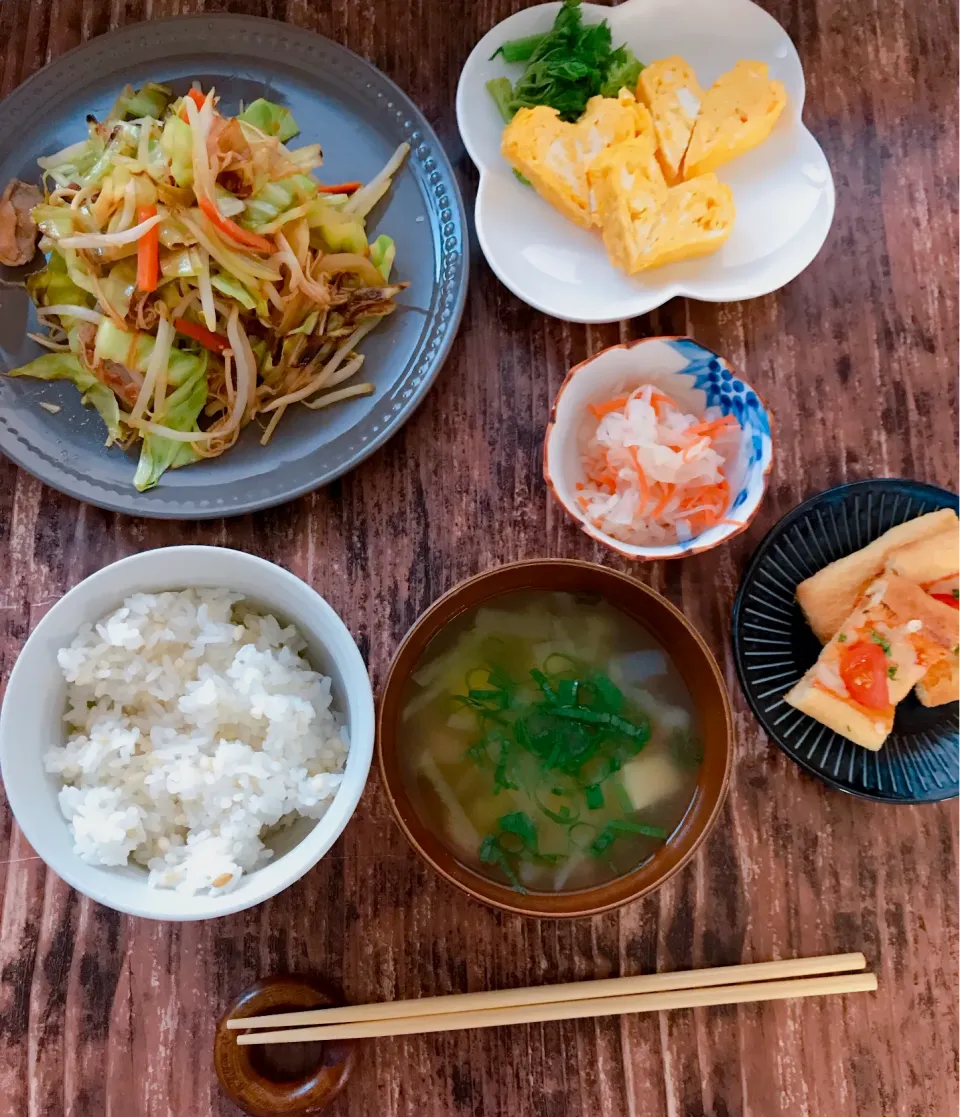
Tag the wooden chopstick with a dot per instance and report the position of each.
(573, 1000)
(576, 1010)
(570, 991)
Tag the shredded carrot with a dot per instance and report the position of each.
(658, 399)
(340, 188)
(614, 468)
(668, 491)
(197, 97)
(712, 426)
(601, 409)
(641, 478)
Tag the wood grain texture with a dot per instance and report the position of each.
(104, 1015)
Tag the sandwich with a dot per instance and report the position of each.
(894, 636)
(829, 597)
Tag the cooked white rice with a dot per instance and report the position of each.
(195, 726)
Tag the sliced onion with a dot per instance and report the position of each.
(367, 196)
(298, 280)
(64, 155)
(237, 264)
(352, 262)
(49, 343)
(68, 310)
(111, 240)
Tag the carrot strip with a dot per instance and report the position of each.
(340, 188)
(712, 426)
(657, 398)
(148, 252)
(665, 499)
(233, 230)
(601, 409)
(207, 338)
(641, 478)
(197, 97)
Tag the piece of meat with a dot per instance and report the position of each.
(125, 382)
(121, 380)
(18, 234)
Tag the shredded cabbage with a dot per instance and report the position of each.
(271, 119)
(197, 277)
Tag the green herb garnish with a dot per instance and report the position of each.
(881, 640)
(558, 740)
(842, 638)
(956, 594)
(891, 672)
(564, 67)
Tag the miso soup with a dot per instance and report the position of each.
(549, 740)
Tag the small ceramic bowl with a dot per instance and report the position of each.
(695, 663)
(32, 719)
(697, 378)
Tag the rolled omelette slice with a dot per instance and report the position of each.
(697, 218)
(914, 632)
(933, 563)
(644, 222)
(628, 192)
(829, 596)
(670, 90)
(738, 112)
(554, 155)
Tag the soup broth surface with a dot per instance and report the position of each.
(549, 740)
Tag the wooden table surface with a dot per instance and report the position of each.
(101, 1014)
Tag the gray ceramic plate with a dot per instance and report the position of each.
(359, 116)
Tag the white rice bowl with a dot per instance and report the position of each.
(196, 728)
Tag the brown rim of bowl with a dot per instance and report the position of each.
(608, 540)
(693, 659)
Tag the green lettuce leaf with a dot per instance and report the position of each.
(271, 119)
(65, 366)
(183, 407)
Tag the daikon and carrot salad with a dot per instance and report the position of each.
(654, 473)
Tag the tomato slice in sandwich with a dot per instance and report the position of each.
(863, 668)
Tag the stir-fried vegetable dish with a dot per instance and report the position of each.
(198, 276)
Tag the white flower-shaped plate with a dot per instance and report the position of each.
(783, 188)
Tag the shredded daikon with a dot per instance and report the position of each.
(654, 474)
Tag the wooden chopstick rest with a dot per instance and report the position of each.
(249, 1083)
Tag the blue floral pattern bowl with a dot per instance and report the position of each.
(697, 378)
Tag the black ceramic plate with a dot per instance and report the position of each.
(360, 117)
(773, 646)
